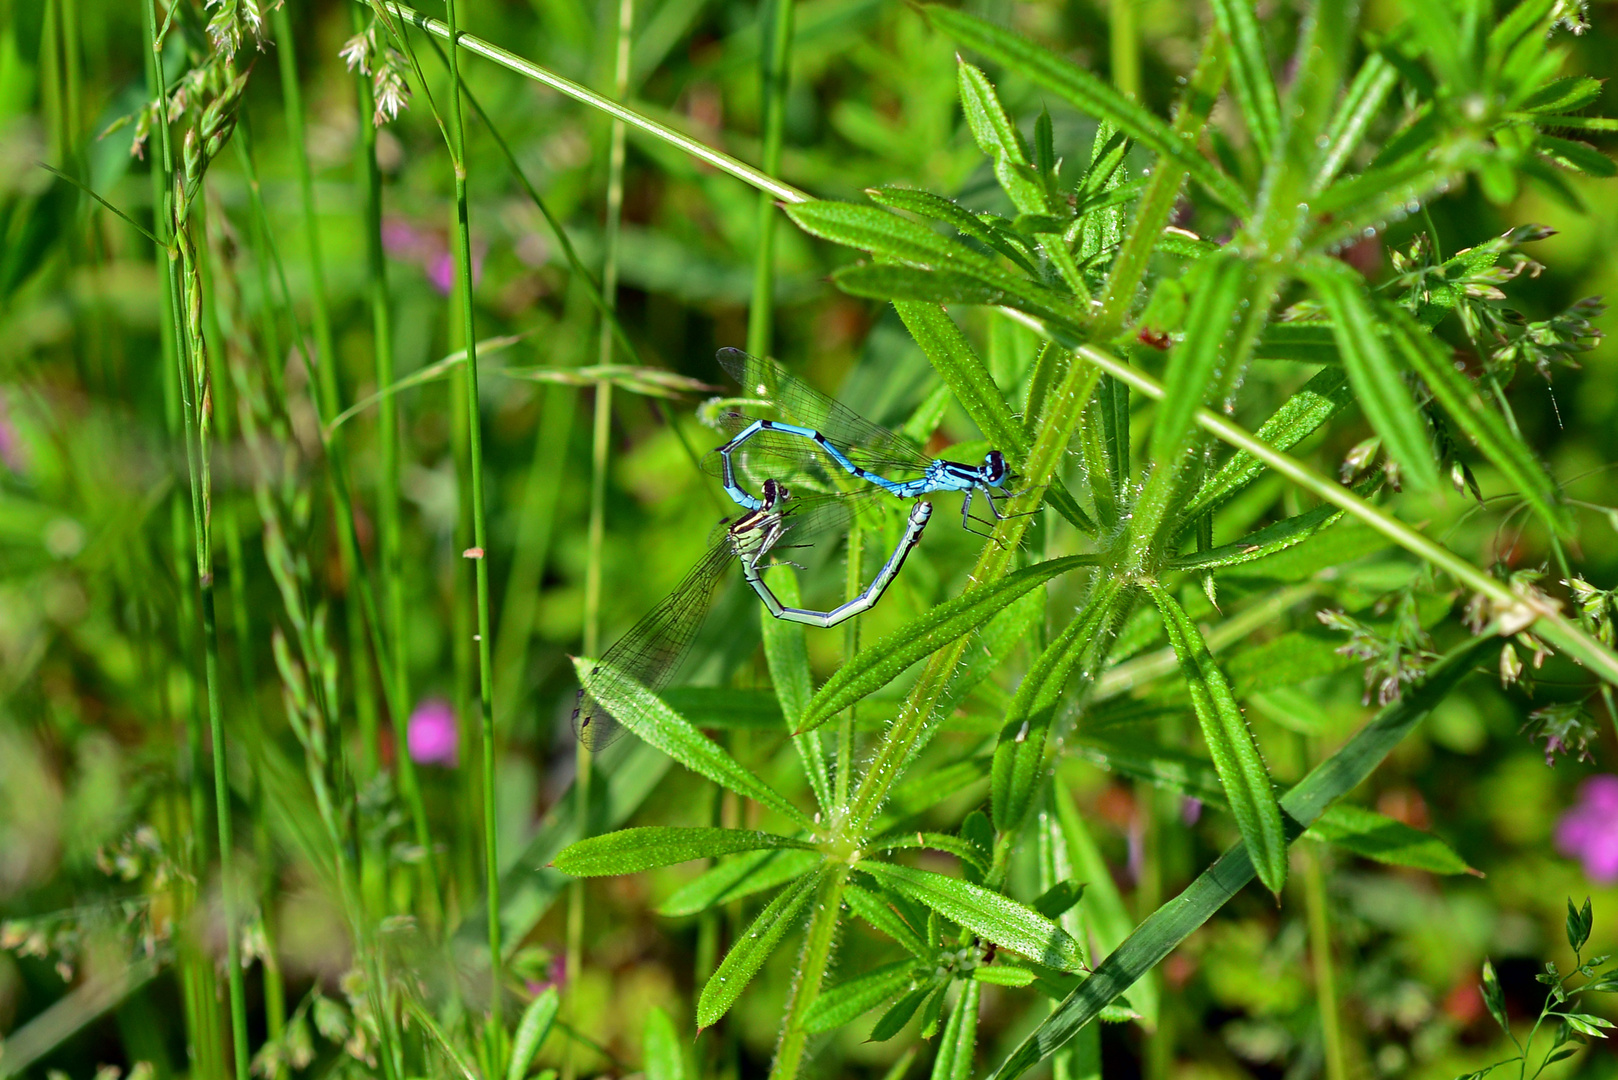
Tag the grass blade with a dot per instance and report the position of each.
(532, 1031)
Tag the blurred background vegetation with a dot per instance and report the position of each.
(100, 677)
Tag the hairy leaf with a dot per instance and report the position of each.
(844, 1002)
(990, 915)
(752, 873)
(754, 947)
(629, 851)
(1250, 73)
(532, 1029)
(876, 665)
(1087, 93)
(1377, 836)
(1230, 743)
(643, 713)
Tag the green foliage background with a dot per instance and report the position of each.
(363, 885)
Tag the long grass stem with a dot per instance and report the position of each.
(480, 561)
(774, 70)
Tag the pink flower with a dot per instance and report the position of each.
(432, 735)
(1589, 830)
(10, 444)
(431, 250)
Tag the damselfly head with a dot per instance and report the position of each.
(994, 470)
(775, 493)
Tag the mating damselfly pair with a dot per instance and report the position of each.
(811, 436)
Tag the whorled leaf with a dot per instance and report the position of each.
(630, 851)
(749, 952)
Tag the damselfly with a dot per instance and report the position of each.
(810, 419)
(650, 653)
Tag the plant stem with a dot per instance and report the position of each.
(817, 950)
(491, 848)
(1541, 614)
(1125, 42)
(774, 71)
(510, 60)
(1331, 1031)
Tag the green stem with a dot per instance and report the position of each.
(774, 69)
(817, 950)
(491, 848)
(1331, 1031)
(1516, 609)
(638, 121)
(1125, 42)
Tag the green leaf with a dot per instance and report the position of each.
(752, 873)
(928, 205)
(1378, 386)
(531, 1031)
(754, 947)
(882, 914)
(1579, 924)
(1586, 1024)
(1266, 541)
(954, 1060)
(968, 378)
(878, 664)
(1106, 918)
(1019, 755)
(1175, 921)
(1377, 836)
(1196, 363)
(885, 281)
(999, 138)
(1251, 81)
(894, 1020)
(1003, 975)
(1478, 419)
(989, 915)
(846, 1001)
(630, 851)
(1159, 765)
(1302, 342)
(1088, 94)
(1360, 106)
(639, 710)
(1563, 95)
(1246, 781)
(1321, 398)
(665, 1056)
(969, 853)
(786, 650)
(1578, 156)
(1057, 900)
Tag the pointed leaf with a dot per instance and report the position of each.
(990, 915)
(880, 912)
(876, 665)
(1478, 419)
(786, 650)
(665, 1056)
(845, 1002)
(928, 205)
(643, 713)
(1378, 385)
(630, 851)
(754, 947)
(531, 1031)
(885, 281)
(1196, 364)
(1250, 76)
(1172, 923)
(1387, 840)
(755, 872)
(1246, 781)
(954, 1060)
(999, 138)
(1088, 94)
(894, 1020)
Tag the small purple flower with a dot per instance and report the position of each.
(1190, 809)
(555, 976)
(432, 736)
(1589, 830)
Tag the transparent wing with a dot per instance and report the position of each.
(797, 402)
(650, 653)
